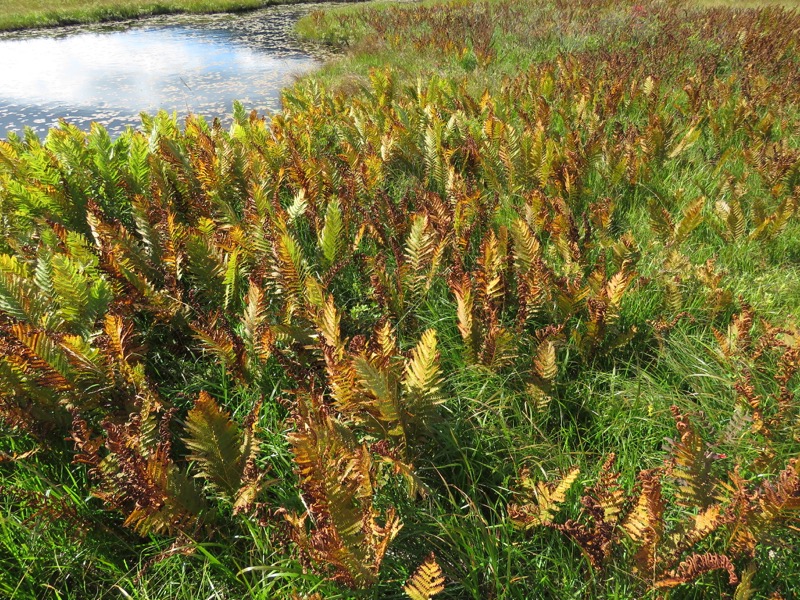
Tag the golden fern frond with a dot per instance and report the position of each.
(527, 249)
(290, 271)
(704, 523)
(216, 341)
(253, 319)
(419, 253)
(329, 326)
(616, 287)
(231, 280)
(737, 224)
(252, 481)
(544, 363)
(119, 336)
(646, 514)
(645, 523)
(382, 386)
(692, 217)
(775, 502)
(427, 581)
(48, 356)
(543, 499)
(337, 480)
(608, 494)
(387, 343)
(686, 141)
(464, 312)
(423, 377)
(490, 275)
(499, 348)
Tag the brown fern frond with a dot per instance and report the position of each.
(337, 480)
(697, 565)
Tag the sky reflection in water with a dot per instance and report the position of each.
(184, 64)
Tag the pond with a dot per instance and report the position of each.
(186, 64)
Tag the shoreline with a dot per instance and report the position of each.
(134, 11)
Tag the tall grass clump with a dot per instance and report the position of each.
(502, 304)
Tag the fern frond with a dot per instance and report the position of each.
(543, 498)
(526, 247)
(645, 523)
(143, 481)
(419, 253)
(464, 312)
(215, 442)
(490, 276)
(697, 565)
(691, 465)
(18, 298)
(290, 271)
(331, 237)
(544, 363)
(382, 386)
(423, 377)
(336, 476)
(692, 217)
(426, 582)
(329, 326)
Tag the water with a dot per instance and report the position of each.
(111, 73)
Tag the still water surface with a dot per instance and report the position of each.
(111, 73)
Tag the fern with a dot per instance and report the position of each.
(423, 378)
(220, 448)
(692, 464)
(426, 582)
(337, 479)
(331, 237)
(543, 500)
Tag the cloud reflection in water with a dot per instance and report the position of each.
(183, 64)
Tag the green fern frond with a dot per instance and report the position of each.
(691, 465)
(217, 445)
(331, 237)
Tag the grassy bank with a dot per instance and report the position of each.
(507, 296)
(18, 14)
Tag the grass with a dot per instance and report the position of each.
(614, 183)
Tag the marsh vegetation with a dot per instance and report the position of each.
(502, 304)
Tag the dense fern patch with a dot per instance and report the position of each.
(371, 346)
